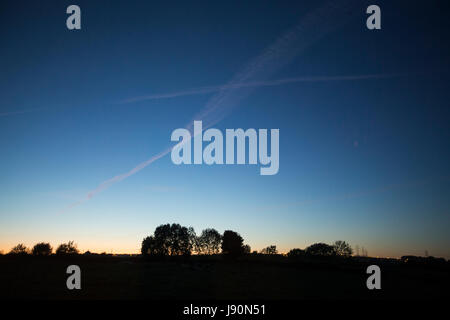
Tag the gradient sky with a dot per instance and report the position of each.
(362, 160)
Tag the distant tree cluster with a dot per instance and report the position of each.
(270, 250)
(174, 240)
(45, 249)
(169, 240)
(339, 248)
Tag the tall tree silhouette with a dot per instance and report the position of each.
(232, 243)
(209, 241)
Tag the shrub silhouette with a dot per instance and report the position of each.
(247, 249)
(232, 243)
(270, 250)
(296, 253)
(169, 240)
(20, 249)
(209, 241)
(342, 248)
(320, 249)
(42, 249)
(68, 248)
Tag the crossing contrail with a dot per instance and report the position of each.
(269, 83)
(312, 27)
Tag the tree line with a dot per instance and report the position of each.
(176, 240)
(45, 249)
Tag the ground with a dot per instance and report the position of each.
(194, 278)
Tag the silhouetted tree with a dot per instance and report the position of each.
(232, 243)
(270, 250)
(42, 249)
(342, 248)
(194, 240)
(20, 249)
(296, 253)
(320, 249)
(247, 249)
(209, 241)
(169, 240)
(149, 246)
(68, 248)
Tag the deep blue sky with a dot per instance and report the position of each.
(364, 160)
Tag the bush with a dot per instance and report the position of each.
(296, 253)
(20, 249)
(69, 248)
(320, 249)
(42, 249)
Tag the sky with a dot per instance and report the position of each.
(363, 118)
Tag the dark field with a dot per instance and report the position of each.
(252, 277)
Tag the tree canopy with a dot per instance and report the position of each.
(170, 240)
(42, 249)
(232, 243)
(342, 248)
(320, 249)
(68, 248)
(209, 241)
(20, 249)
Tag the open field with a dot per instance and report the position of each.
(252, 277)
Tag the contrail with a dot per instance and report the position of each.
(312, 28)
(5, 114)
(270, 83)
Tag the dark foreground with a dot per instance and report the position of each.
(193, 278)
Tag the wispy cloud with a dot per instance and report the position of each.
(6, 114)
(313, 26)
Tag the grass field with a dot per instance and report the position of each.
(196, 277)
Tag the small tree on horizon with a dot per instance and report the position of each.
(42, 249)
(342, 248)
(270, 250)
(20, 249)
(69, 248)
